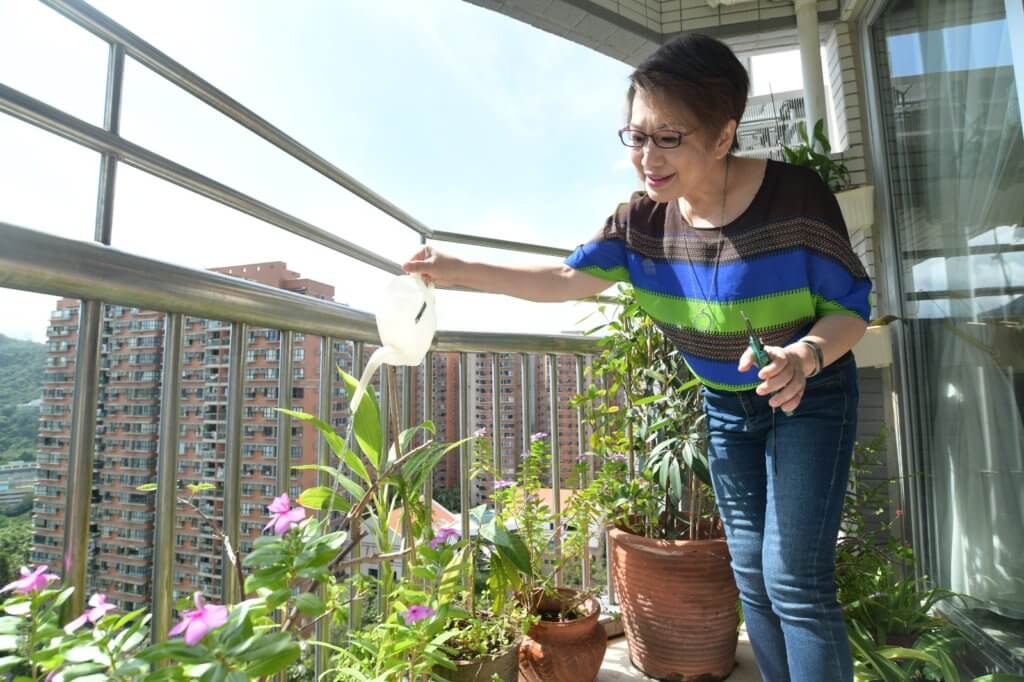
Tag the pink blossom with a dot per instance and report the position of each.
(195, 624)
(417, 613)
(502, 483)
(283, 515)
(443, 536)
(99, 605)
(31, 581)
(480, 433)
(540, 435)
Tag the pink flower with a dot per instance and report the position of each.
(480, 433)
(538, 436)
(502, 483)
(443, 536)
(899, 513)
(99, 605)
(195, 624)
(31, 581)
(417, 613)
(283, 515)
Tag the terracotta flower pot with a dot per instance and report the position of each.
(678, 600)
(505, 665)
(564, 652)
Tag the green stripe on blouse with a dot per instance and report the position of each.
(617, 274)
(763, 311)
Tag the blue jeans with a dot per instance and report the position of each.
(780, 483)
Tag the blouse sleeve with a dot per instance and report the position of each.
(604, 256)
(838, 280)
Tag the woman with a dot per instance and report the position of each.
(714, 237)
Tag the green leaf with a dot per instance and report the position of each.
(8, 662)
(87, 652)
(146, 487)
(272, 577)
(676, 480)
(8, 642)
(366, 423)
(273, 658)
(334, 441)
(509, 545)
(310, 604)
(9, 625)
(323, 498)
(353, 462)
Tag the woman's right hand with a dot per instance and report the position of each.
(435, 267)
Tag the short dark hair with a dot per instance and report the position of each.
(699, 73)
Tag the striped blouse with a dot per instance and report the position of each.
(786, 262)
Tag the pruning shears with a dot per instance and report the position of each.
(761, 358)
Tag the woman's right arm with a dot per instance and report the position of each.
(541, 283)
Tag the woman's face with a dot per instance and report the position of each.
(668, 174)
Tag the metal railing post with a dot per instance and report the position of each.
(231, 589)
(581, 452)
(496, 422)
(355, 608)
(466, 450)
(556, 463)
(323, 626)
(285, 381)
(167, 469)
(81, 455)
(82, 452)
(428, 414)
(108, 162)
(526, 401)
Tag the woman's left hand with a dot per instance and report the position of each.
(784, 376)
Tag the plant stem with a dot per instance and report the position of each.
(215, 528)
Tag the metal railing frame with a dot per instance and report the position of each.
(95, 273)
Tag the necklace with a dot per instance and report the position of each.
(707, 320)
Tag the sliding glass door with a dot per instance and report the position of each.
(949, 105)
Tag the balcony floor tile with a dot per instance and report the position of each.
(617, 668)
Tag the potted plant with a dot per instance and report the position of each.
(565, 642)
(856, 204)
(670, 563)
(487, 626)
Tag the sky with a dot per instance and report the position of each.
(468, 120)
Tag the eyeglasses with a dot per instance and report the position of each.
(666, 139)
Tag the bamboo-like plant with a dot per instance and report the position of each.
(834, 173)
(660, 428)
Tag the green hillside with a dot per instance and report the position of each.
(21, 375)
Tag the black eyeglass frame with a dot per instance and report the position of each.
(623, 132)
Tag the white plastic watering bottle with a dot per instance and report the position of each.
(406, 322)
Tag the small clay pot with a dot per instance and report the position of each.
(569, 651)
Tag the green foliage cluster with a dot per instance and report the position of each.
(659, 430)
(21, 376)
(15, 539)
(895, 633)
(832, 172)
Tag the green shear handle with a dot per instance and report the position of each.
(761, 358)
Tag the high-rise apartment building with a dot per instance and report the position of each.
(127, 423)
(512, 427)
(120, 549)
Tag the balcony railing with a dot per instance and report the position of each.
(98, 274)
